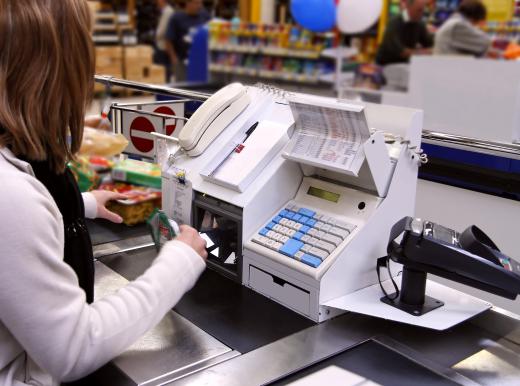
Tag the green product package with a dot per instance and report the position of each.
(138, 172)
(161, 228)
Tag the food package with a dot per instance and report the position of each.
(138, 172)
(161, 228)
(102, 143)
(139, 205)
(85, 176)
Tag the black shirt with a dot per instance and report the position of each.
(400, 35)
(179, 26)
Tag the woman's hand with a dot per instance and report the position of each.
(102, 197)
(97, 122)
(192, 238)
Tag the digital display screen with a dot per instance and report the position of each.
(323, 194)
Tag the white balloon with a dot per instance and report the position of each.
(355, 16)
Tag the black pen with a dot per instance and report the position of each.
(250, 131)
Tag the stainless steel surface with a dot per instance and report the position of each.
(117, 106)
(485, 145)
(151, 88)
(174, 348)
(121, 246)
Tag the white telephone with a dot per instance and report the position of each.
(212, 118)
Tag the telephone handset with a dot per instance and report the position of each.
(212, 118)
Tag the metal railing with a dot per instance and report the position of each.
(486, 145)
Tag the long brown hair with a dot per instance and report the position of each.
(47, 65)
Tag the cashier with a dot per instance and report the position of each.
(49, 333)
(460, 34)
(405, 35)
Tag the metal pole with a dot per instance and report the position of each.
(151, 88)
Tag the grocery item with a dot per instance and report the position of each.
(102, 143)
(139, 205)
(162, 228)
(86, 177)
(138, 172)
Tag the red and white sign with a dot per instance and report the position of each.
(175, 109)
(137, 129)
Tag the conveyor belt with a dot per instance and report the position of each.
(232, 313)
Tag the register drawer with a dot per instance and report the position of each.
(280, 290)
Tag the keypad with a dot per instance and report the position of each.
(303, 234)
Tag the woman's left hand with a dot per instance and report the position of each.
(102, 197)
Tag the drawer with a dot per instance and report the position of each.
(280, 290)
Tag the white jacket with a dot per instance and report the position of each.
(48, 333)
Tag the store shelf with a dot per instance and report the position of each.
(271, 51)
(266, 74)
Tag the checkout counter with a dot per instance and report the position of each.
(292, 293)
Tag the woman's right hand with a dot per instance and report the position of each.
(192, 238)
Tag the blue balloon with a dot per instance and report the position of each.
(314, 15)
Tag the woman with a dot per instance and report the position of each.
(48, 331)
(460, 34)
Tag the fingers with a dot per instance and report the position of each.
(110, 216)
(191, 237)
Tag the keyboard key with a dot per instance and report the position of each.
(304, 219)
(339, 232)
(282, 213)
(298, 236)
(326, 228)
(291, 247)
(311, 260)
(264, 231)
(276, 236)
(332, 239)
(320, 253)
(291, 232)
(284, 239)
(284, 221)
(307, 212)
(313, 241)
(298, 255)
(306, 238)
(272, 235)
(318, 216)
(311, 222)
(290, 224)
(313, 232)
(325, 246)
(305, 229)
(306, 248)
(277, 219)
(277, 228)
(325, 218)
(274, 245)
(297, 226)
(270, 225)
(297, 217)
(345, 225)
(319, 225)
(262, 240)
(285, 231)
(289, 215)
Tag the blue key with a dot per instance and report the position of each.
(264, 231)
(282, 213)
(311, 222)
(270, 225)
(305, 229)
(297, 217)
(298, 235)
(311, 260)
(277, 219)
(291, 247)
(289, 215)
(303, 219)
(307, 212)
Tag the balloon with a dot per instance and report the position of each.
(355, 16)
(314, 15)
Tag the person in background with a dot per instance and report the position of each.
(460, 34)
(405, 35)
(192, 15)
(52, 329)
(161, 55)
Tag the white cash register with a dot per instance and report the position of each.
(295, 195)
